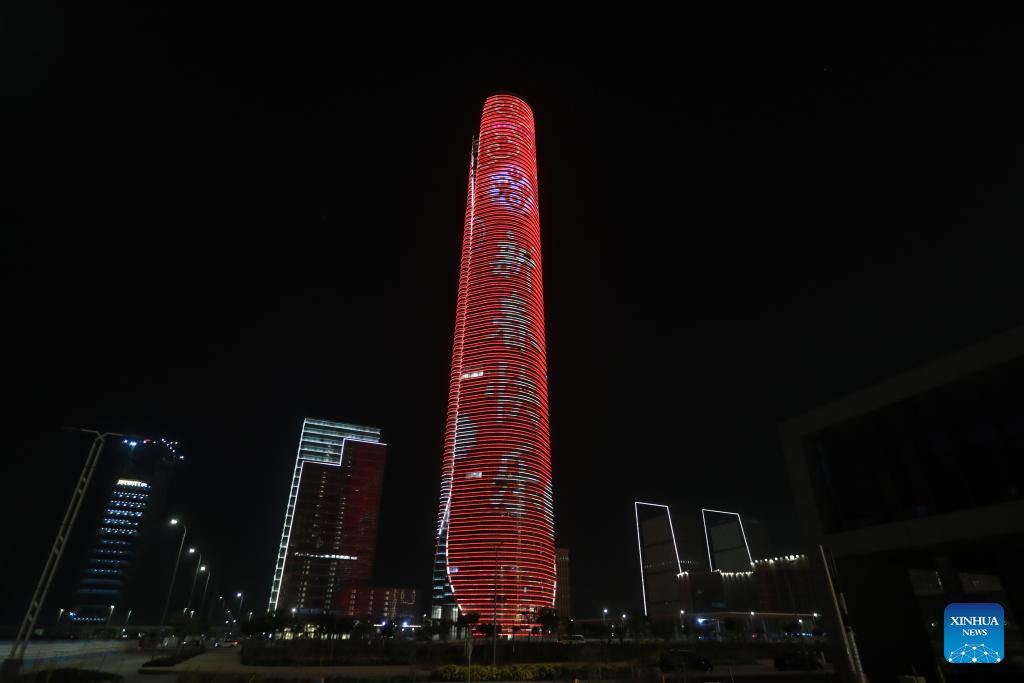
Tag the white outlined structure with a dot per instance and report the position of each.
(640, 546)
(707, 538)
(320, 441)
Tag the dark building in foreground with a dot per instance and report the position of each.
(115, 578)
(915, 487)
(330, 524)
(563, 591)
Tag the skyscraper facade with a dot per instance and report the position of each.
(115, 575)
(495, 530)
(330, 524)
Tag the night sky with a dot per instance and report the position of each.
(217, 225)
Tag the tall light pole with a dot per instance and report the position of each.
(174, 574)
(127, 618)
(206, 585)
(241, 601)
(195, 576)
(111, 615)
(12, 665)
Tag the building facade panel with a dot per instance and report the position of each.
(330, 531)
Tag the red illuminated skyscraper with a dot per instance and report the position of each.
(495, 534)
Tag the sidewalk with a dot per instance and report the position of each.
(229, 660)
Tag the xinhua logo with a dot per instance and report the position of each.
(973, 633)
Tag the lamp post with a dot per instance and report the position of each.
(12, 665)
(202, 600)
(127, 618)
(174, 574)
(241, 601)
(110, 616)
(195, 575)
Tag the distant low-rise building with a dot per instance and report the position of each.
(563, 592)
(375, 602)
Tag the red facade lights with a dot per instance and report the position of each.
(496, 554)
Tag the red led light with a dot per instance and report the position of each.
(496, 526)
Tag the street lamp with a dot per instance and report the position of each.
(241, 600)
(110, 616)
(199, 563)
(28, 624)
(174, 574)
(202, 601)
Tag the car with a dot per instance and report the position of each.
(797, 661)
(572, 638)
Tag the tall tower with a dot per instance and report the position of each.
(330, 524)
(495, 532)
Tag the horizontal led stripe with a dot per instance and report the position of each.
(495, 525)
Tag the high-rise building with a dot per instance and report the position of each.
(111, 580)
(563, 593)
(330, 523)
(495, 529)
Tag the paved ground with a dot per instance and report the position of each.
(128, 664)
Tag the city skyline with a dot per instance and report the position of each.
(727, 244)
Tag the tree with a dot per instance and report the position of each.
(445, 626)
(467, 620)
(547, 618)
(361, 629)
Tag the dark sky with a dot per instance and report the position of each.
(218, 224)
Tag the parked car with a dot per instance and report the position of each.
(572, 638)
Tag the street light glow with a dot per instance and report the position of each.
(174, 521)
